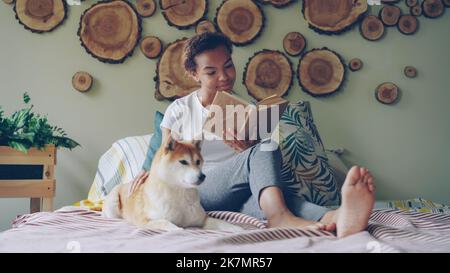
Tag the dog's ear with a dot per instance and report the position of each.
(170, 143)
(197, 144)
(197, 141)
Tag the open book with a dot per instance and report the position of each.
(248, 120)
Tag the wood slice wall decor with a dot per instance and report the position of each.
(266, 73)
(432, 8)
(278, 3)
(333, 16)
(82, 81)
(151, 47)
(240, 20)
(110, 31)
(183, 14)
(294, 43)
(410, 71)
(40, 16)
(172, 80)
(321, 72)
(416, 10)
(145, 8)
(372, 28)
(205, 26)
(387, 93)
(408, 24)
(355, 64)
(411, 3)
(389, 15)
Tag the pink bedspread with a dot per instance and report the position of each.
(72, 229)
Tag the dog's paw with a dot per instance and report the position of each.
(216, 224)
(162, 224)
(231, 227)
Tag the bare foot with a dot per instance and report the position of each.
(357, 202)
(287, 219)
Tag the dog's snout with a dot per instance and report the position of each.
(202, 177)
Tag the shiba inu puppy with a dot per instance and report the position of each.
(168, 199)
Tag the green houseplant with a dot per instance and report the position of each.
(25, 129)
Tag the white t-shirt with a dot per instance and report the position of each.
(186, 116)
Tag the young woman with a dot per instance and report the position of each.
(239, 175)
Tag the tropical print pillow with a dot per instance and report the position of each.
(305, 167)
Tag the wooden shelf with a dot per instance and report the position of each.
(40, 191)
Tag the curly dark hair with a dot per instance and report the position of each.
(201, 43)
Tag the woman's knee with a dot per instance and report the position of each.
(268, 152)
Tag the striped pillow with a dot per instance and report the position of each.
(120, 164)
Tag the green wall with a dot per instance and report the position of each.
(405, 146)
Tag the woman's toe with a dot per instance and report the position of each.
(330, 227)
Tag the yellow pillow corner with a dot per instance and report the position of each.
(90, 205)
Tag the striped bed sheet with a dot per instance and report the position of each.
(75, 229)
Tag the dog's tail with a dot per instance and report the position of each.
(112, 206)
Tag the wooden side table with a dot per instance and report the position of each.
(17, 183)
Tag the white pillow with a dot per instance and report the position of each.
(120, 164)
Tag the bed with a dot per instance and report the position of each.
(397, 226)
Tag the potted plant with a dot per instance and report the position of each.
(25, 130)
(28, 146)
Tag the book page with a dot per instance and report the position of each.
(227, 111)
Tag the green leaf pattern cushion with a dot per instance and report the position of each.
(305, 167)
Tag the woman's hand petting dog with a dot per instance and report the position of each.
(239, 145)
(138, 180)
